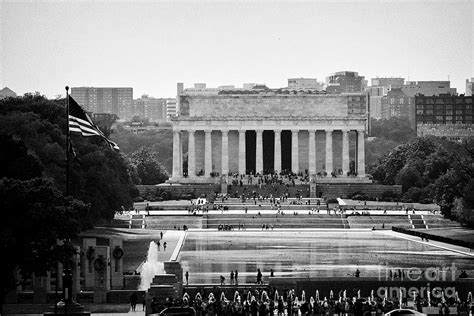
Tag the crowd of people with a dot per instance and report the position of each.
(269, 302)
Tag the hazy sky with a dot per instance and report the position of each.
(151, 46)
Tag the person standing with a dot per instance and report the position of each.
(186, 275)
(164, 246)
(259, 277)
(231, 277)
(236, 276)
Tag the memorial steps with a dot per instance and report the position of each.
(287, 221)
(267, 190)
(369, 221)
(166, 222)
(437, 221)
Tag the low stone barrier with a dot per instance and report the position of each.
(447, 240)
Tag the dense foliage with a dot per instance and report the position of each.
(385, 136)
(149, 169)
(159, 141)
(432, 169)
(37, 217)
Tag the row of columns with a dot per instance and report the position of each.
(177, 152)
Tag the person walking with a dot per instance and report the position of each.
(236, 276)
(164, 246)
(186, 275)
(232, 277)
(133, 301)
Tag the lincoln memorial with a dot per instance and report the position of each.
(269, 130)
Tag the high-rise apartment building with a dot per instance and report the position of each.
(117, 101)
(445, 116)
(345, 82)
(152, 108)
(171, 108)
(397, 104)
(469, 86)
(379, 88)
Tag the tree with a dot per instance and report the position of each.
(149, 169)
(37, 220)
(160, 141)
(102, 179)
(395, 129)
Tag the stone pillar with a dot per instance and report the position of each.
(225, 152)
(329, 153)
(360, 154)
(345, 152)
(176, 158)
(312, 152)
(294, 151)
(242, 166)
(207, 153)
(116, 263)
(259, 152)
(89, 248)
(277, 155)
(191, 154)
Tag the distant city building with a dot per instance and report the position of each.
(171, 109)
(117, 101)
(152, 108)
(305, 84)
(412, 88)
(345, 82)
(378, 89)
(444, 116)
(469, 86)
(6, 93)
(387, 82)
(397, 104)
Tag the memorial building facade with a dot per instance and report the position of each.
(269, 130)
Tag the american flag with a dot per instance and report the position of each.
(80, 122)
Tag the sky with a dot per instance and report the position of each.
(150, 46)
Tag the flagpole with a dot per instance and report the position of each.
(67, 141)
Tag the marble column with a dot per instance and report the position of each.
(345, 152)
(277, 156)
(207, 153)
(329, 167)
(259, 152)
(225, 152)
(242, 152)
(176, 158)
(312, 152)
(191, 154)
(294, 151)
(360, 154)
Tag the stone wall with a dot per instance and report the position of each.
(334, 190)
(177, 190)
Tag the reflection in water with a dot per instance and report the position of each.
(207, 255)
(151, 267)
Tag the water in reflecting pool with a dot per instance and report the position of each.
(336, 253)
